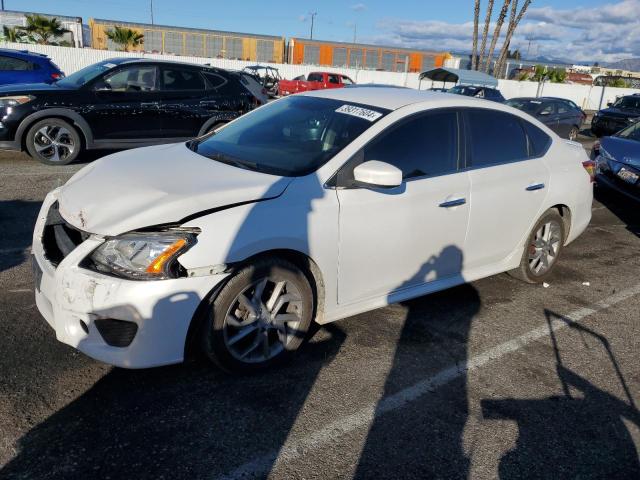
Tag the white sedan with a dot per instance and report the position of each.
(310, 209)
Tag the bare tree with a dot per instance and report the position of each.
(476, 19)
(496, 33)
(485, 34)
(513, 24)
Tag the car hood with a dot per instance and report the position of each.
(157, 185)
(619, 112)
(623, 150)
(26, 88)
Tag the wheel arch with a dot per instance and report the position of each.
(565, 213)
(301, 260)
(60, 113)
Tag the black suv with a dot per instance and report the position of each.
(620, 114)
(119, 103)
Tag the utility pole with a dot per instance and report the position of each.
(151, 8)
(313, 16)
(2, 5)
(355, 30)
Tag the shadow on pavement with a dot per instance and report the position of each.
(626, 209)
(17, 218)
(580, 434)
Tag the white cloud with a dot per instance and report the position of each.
(607, 32)
(358, 7)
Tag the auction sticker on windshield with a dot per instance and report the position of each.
(360, 112)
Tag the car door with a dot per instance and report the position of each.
(123, 104)
(548, 115)
(404, 237)
(333, 81)
(508, 185)
(184, 104)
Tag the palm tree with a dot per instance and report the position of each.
(513, 24)
(476, 19)
(125, 37)
(496, 33)
(42, 29)
(485, 33)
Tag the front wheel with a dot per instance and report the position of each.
(53, 141)
(259, 318)
(542, 249)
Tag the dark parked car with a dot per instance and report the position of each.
(119, 103)
(22, 66)
(618, 162)
(562, 116)
(478, 92)
(620, 114)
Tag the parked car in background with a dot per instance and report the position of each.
(271, 223)
(486, 93)
(120, 103)
(268, 77)
(255, 87)
(22, 66)
(619, 114)
(562, 116)
(314, 81)
(618, 161)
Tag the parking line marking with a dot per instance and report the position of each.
(365, 415)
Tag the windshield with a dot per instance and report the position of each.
(291, 137)
(464, 90)
(529, 106)
(85, 75)
(630, 133)
(628, 102)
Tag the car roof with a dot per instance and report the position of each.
(125, 60)
(392, 98)
(22, 53)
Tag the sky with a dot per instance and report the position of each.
(576, 30)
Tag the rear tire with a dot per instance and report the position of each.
(53, 141)
(259, 318)
(542, 249)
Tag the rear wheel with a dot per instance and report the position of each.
(259, 318)
(542, 250)
(573, 133)
(53, 141)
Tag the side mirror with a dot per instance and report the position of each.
(377, 174)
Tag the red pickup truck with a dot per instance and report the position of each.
(314, 81)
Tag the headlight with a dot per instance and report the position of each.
(15, 100)
(142, 256)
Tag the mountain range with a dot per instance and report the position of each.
(632, 64)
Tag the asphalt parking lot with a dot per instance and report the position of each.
(491, 379)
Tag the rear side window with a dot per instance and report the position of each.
(496, 137)
(14, 64)
(333, 78)
(539, 141)
(214, 80)
(424, 145)
(315, 77)
(179, 79)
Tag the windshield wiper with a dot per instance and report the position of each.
(221, 157)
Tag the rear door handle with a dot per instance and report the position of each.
(535, 186)
(453, 203)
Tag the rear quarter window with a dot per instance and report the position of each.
(539, 142)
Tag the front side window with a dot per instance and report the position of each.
(334, 79)
(529, 106)
(14, 64)
(132, 79)
(291, 137)
(547, 109)
(496, 137)
(315, 77)
(347, 81)
(628, 103)
(181, 79)
(425, 145)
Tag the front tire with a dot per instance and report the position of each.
(542, 250)
(53, 141)
(259, 318)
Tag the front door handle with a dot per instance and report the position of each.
(453, 203)
(535, 186)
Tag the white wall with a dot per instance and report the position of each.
(588, 97)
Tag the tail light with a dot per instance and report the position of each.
(590, 167)
(57, 76)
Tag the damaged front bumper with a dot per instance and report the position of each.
(126, 323)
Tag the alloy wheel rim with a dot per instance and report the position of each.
(544, 249)
(54, 143)
(263, 320)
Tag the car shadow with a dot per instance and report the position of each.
(580, 434)
(17, 218)
(622, 207)
(424, 438)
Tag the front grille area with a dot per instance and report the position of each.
(117, 333)
(59, 238)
